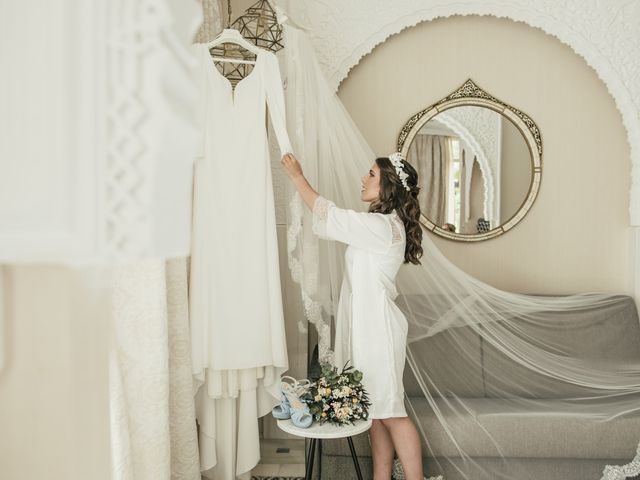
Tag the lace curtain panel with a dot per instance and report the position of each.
(152, 408)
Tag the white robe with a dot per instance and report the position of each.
(371, 331)
(237, 325)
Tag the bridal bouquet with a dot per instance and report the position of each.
(337, 397)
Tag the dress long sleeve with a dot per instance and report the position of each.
(275, 102)
(370, 231)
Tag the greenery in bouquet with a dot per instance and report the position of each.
(337, 397)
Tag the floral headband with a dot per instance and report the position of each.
(396, 159)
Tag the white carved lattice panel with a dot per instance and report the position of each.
(98, 129)
(45, 209)
(152, 128)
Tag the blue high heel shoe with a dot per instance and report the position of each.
(283, 411)
(300, 415)
(290, 391)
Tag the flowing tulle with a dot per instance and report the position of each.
(486, 367)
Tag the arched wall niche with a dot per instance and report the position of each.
(546, 252)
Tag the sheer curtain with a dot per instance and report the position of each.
(431, 155)
(211, 22)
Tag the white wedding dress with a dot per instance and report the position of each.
(371, 331)
(237, 324)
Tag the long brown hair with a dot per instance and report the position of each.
(393, 195)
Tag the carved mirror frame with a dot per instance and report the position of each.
(469, 94)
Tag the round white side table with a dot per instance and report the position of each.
(317, 433)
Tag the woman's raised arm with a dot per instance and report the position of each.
(294, 171)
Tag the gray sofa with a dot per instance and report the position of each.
(552, 444)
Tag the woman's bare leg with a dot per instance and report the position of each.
(407, 443)
(381, 450)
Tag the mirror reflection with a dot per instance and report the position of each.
(474, 166)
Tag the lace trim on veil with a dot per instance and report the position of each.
(312, 308)
(622, 472)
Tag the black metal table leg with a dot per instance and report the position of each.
(355, 458)
(309, 466)
(319, 459)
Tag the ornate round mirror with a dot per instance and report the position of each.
(479, 164)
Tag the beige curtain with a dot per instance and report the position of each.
(431, 156)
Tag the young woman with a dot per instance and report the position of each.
(371, 331)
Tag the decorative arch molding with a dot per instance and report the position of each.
(604, 34)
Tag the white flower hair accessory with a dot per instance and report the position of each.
(396, 159)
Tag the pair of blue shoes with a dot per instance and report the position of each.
(290, 404)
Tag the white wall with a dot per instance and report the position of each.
(576, 237)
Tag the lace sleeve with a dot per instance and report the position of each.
(397, 229)
(321, 208)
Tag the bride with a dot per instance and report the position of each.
(371, 331)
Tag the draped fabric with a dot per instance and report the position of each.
(431, 156)
(153, 429)
(496, 381)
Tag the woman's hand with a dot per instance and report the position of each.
(294, 171)
(291, 166)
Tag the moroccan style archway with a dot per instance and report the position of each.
(605, 35)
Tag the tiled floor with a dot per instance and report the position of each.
(279, 470)
(283, 464)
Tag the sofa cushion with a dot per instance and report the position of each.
(452, 360)
(482, 468)
(548, 428)
(608, 334)
(485, 468)
(537, 429)
(451, 357)
(458, 361)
